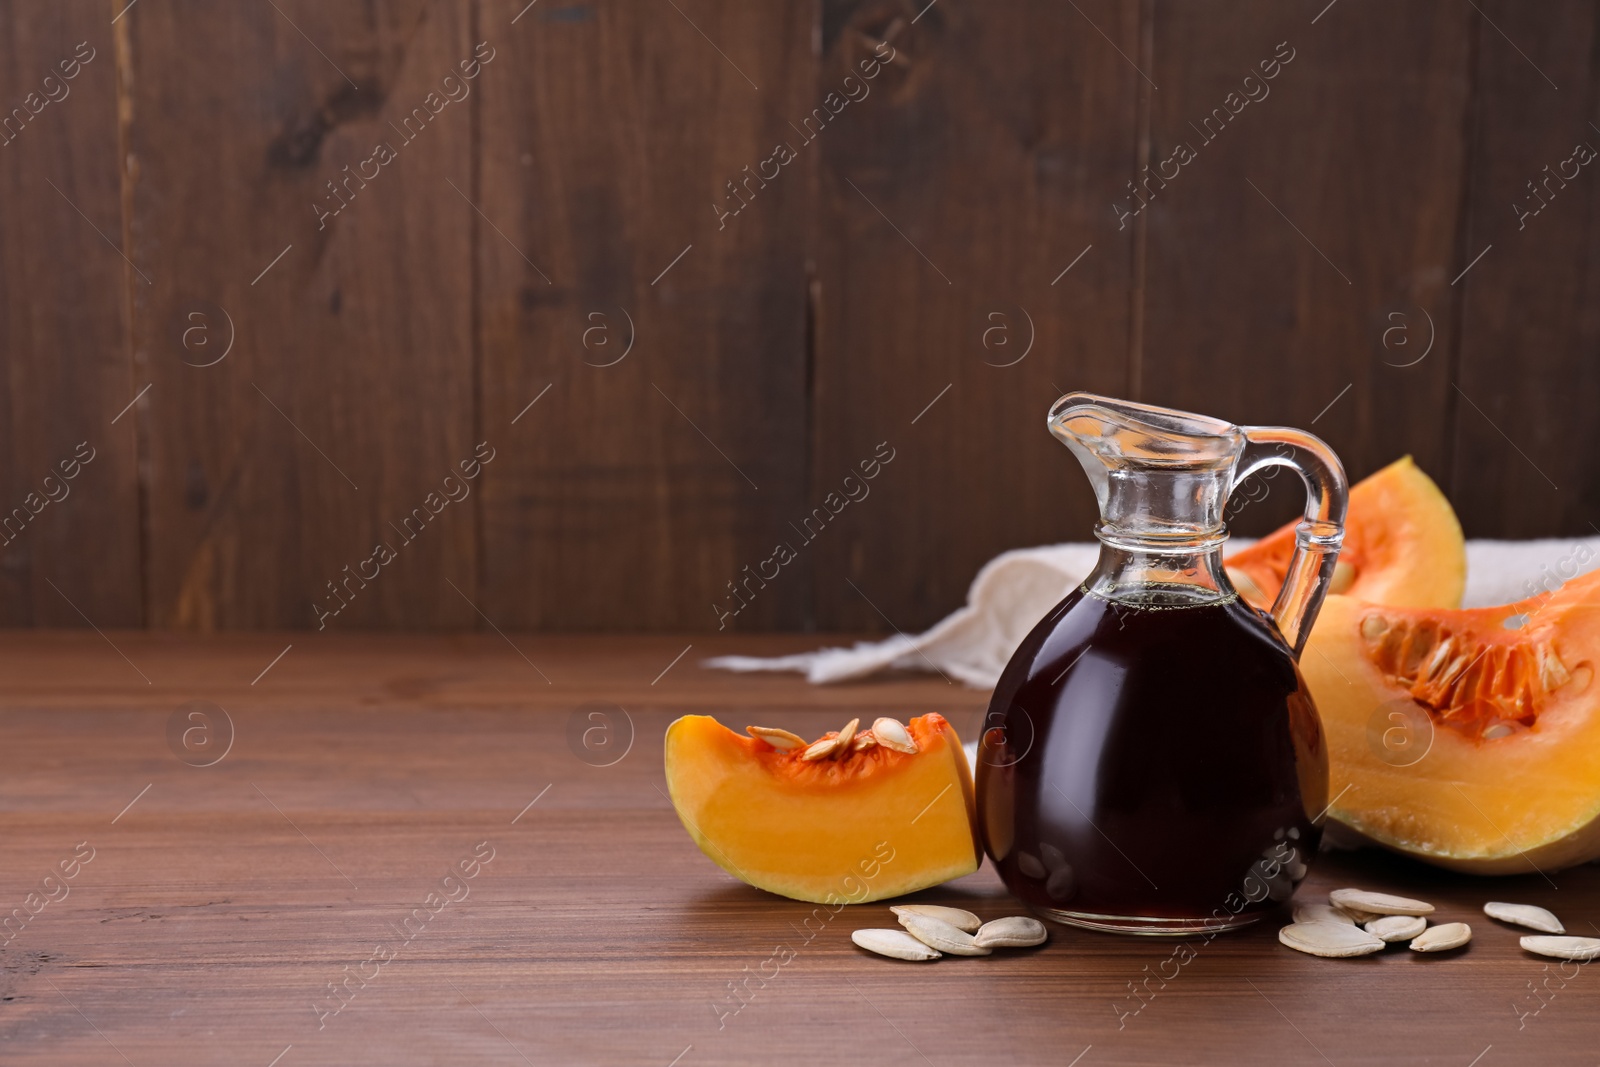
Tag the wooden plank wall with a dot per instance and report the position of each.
(596, 315)
(948, 204)
(1526, 441)
(349, 393)
(71, 546)
(671, 444)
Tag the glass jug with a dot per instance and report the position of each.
(1152, 761)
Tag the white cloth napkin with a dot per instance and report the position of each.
(1015, 590)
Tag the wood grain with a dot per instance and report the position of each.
(1305, 252)
(670, 447)
(1525, 467)
(63, 327)
(950, 248)
(221, 903)
(347, 396)
(951, 201)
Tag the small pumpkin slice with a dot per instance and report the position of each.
(847, 825)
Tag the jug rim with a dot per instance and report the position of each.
(1118, 432)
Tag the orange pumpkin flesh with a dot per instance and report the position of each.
(868, 825)
(1402, 545)
(1469, 739)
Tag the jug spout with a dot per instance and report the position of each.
(1161, 477)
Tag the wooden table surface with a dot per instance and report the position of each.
(219, 904)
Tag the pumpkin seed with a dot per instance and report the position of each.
(1356, 916)
(1563, 948)
(782, 740)
(1552, 672)
(1333, 940)
(896, 944)
(1443, 938)
(1441, 656)
(1524, 915)
(1320, 913)
(848, 733)
(936, 933)
(960, 918)
(1016, 931)
(892, 734)
(1396, 927)
(821, 749)
(1379, 903)
(864, 740)
(832, 746)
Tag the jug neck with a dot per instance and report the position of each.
(1161, 477)
(1167, 576)
(1164, 509)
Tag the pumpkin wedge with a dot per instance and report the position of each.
(857, 815)
(1469, 738)
(1402, 545)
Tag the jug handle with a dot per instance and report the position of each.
(1319, 534)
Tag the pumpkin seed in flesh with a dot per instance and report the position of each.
(896, 944)
(1379, 903)
(1582, 949)
(938, 934)
(892, 734)
(1332, 940)
(782, 740)
(960, 918)
(828, 747)
(821, 749)
(1552, 672)
(1442, 938)
(848, 734)
(1392, 928)
(1525, 915)
(1016, 931)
